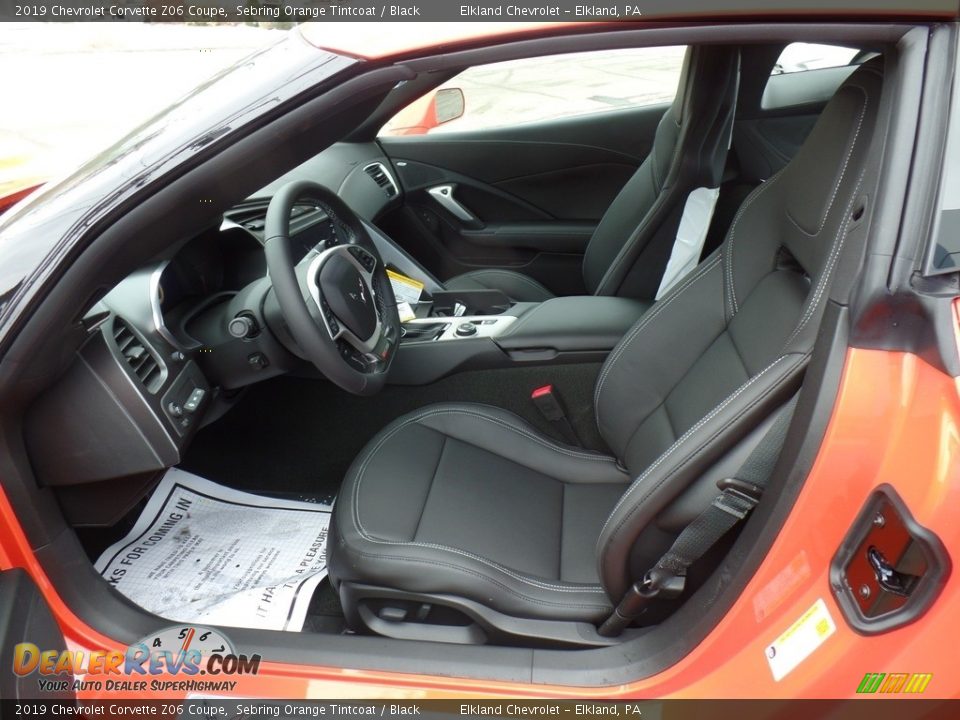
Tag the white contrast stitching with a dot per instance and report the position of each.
(653, 166)
(840, 239)
(843, 170)
(485, 561)
(643, 322)
(828, 269)
(594, 457)
(677, 443)
(627, 247)
(487, 578)
(728, 251)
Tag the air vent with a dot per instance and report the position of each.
(141, 360)
(382, 178)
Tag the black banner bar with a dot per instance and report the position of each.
(245, 708)
(439, 10)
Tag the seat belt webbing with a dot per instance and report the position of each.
(739, 495)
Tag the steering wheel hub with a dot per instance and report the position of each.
(348, 295)
(328, 298)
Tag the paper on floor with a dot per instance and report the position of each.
(201, 552)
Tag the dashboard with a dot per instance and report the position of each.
(159, 361)
(224, 260)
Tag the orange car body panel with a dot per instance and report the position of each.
(8, 201)
(896, 420)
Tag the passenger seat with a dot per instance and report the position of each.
(653, 232)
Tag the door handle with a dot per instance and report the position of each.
(443, 194)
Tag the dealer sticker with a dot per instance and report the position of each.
(799, 641)
(405, 289)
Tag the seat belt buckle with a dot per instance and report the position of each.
(663, 583)
(658, 583)
(547, 401)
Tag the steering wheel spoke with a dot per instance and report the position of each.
(352, 331)
(355, 297)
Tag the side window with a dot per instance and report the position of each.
(545, 88)
(800, 57)
(807, 73)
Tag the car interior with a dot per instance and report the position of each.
(614, 309)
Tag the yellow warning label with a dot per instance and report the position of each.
(798, 642)
(405, 289)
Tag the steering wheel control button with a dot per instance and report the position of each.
(348, 296)
(364, 258)
(331, 319)
(466, 329)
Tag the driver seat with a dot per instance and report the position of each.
(460, 521)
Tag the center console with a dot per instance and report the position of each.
(483, 329)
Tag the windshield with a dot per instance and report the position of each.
(186, 125)
(88, 84)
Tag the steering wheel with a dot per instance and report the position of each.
(337, 301)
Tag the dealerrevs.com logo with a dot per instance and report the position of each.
(189, 658)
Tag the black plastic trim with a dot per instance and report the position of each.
(929, 586)
(26, 617)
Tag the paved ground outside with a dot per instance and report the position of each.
(562, 86)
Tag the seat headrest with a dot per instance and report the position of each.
(814, 180)
(706, 104)
(702, 76)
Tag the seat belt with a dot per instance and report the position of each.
(738, 496)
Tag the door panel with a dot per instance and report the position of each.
(527, 197)
(26, 618)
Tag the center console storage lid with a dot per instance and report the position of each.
(571, 324)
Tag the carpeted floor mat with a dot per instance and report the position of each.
(300, 435)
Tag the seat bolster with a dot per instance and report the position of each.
(432, 570)
(362, 554)
(516, 286)
(503, 433)
(686, 459)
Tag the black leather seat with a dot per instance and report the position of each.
(467, 506)
(631, 245)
